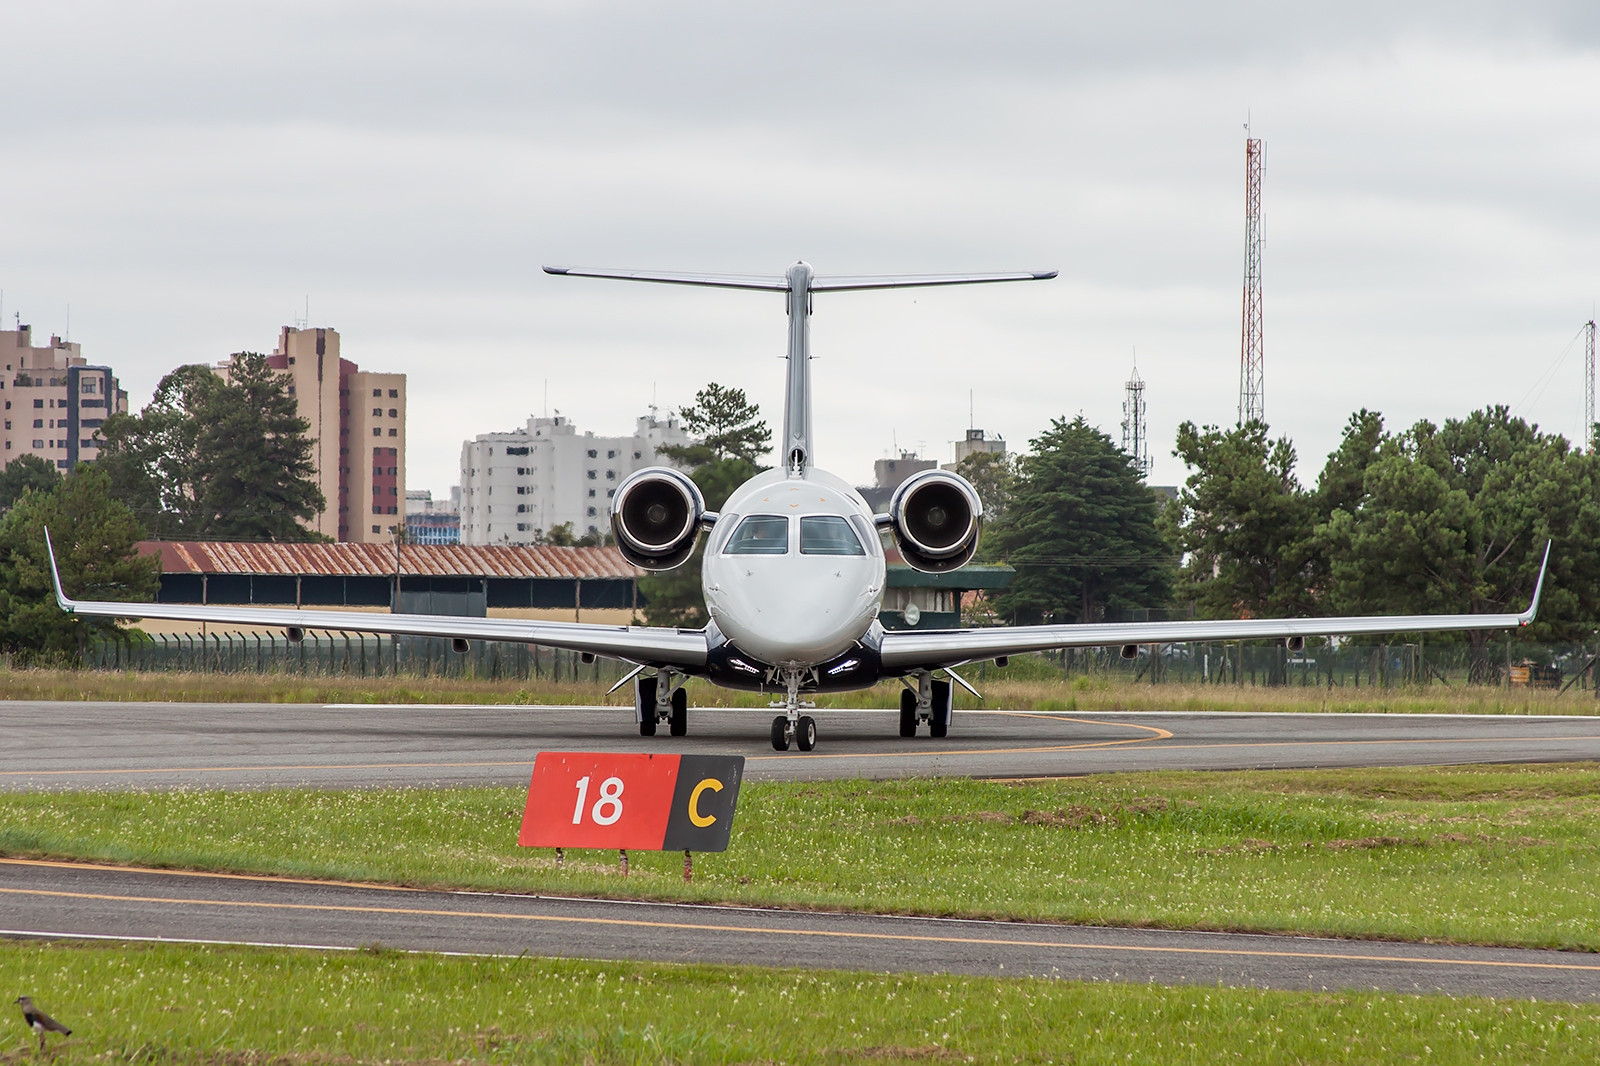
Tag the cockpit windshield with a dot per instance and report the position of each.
(828, 534)
(760, 534)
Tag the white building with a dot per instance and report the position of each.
(514, 485)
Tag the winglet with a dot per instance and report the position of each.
(1527, 617)
(55, 574)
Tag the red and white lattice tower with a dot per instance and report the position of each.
(1252, 355)
(1588, 384)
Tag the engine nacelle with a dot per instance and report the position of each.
(655, 517)
(936, 516)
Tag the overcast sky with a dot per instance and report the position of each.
(187, 175)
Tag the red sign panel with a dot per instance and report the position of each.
(642, 802)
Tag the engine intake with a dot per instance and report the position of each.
(655, 517)
(936, 516)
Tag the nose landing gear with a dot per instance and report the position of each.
(792, 725)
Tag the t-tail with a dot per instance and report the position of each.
(799, 282)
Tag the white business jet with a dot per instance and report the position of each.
(794, 572)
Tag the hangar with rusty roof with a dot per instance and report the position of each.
(412, 578)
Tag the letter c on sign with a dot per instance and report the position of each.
(702, 820)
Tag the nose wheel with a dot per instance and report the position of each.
(803, 733)
(793, 726)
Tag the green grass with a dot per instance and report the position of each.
(240, 1007)
(1492, 855)
(1028, 684)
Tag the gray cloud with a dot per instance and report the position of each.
(185, 174)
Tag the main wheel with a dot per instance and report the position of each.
(805, 733)
(939, 722)
(780, 733)
(908, 713)
(647, 724)
(679, 722)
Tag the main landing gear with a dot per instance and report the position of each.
(661, 699)
(792, 725)
(929, 702)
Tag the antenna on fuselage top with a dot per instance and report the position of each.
(798, 283)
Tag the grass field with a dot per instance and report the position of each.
(241, 1007)
(1001, 688)
(1492, 855)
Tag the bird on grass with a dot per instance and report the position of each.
(40, 1022)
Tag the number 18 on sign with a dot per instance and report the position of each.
(638, 802)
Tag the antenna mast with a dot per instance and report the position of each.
(1135, 431)
(1252, 355)
(1588, 385)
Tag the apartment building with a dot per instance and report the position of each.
(358, 430)
(515, 485)
(55, 403)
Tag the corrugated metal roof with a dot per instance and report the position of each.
(378, 560)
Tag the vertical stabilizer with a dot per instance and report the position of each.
(797, 455)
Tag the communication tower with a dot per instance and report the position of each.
(1252, 356)
(1588, 384)
(1135, 432)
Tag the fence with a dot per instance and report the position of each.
(346, 655)
(1333, 665)
(1220, 663)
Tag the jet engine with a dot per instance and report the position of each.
(655, 517)
(936, 516)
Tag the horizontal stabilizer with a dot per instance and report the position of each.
(765, 282)
(822, 283)
(856, 282)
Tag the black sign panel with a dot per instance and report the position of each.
(703, 802)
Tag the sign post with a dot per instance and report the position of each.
(643, 802)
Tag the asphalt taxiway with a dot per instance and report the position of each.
(76, 901)
(164, 745)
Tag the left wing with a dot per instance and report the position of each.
(906, 649)
(642, 645)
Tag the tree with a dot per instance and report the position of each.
(995, 478)
(731, 439)
(1455, 520)
(217, 458)
(23, 473)
(1244, 523)
(152, 458)
(1081, 531)
(94, 539)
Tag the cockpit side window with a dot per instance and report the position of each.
(869, 536)
(760, 534)
(828, 534)
(726, 525)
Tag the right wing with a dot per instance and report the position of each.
(641, 645)
(904, 650)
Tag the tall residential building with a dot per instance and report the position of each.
(358, 429)
(516, 484)
(55, 403)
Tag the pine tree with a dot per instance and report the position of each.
(1081, 531)
(217, 458)
(94, 539)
